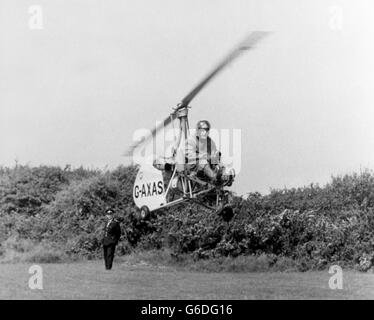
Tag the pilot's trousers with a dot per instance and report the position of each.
(205, 168)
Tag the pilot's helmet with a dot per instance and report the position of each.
(203, 124)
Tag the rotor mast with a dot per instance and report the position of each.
(182, 115)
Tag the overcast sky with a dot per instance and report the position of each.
(74, 91)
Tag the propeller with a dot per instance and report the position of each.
(247, 43)
(153, 133)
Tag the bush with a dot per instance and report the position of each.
(24, 250)
(304, 228)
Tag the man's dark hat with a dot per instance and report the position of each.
(109, 210)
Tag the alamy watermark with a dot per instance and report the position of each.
(36, 279)
(227, 141)
(335, 18)
(336, 280)
(35, 18)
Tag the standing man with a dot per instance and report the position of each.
(112, 233)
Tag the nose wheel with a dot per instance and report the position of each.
(226, 213)
(143, 213)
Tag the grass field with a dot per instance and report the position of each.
(89, 280)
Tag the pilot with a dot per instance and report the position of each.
(112, 233)
(201, 152)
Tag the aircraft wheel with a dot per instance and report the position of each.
(143, 213)
(226, 213)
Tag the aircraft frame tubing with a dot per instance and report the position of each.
(188, 195)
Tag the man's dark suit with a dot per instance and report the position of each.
(112, 233)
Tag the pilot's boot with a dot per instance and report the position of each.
(212, 175)
(219, 177)
(228, 176)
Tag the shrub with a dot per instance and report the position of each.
(314, 226)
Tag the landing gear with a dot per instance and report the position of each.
(226, 213)
(143, 213)
(225, 210)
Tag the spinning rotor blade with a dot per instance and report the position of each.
(163, 124)
(246, 44)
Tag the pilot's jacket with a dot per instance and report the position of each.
(200, 151)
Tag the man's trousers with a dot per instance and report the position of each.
(109, 255)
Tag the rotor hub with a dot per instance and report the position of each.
(182, 112)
